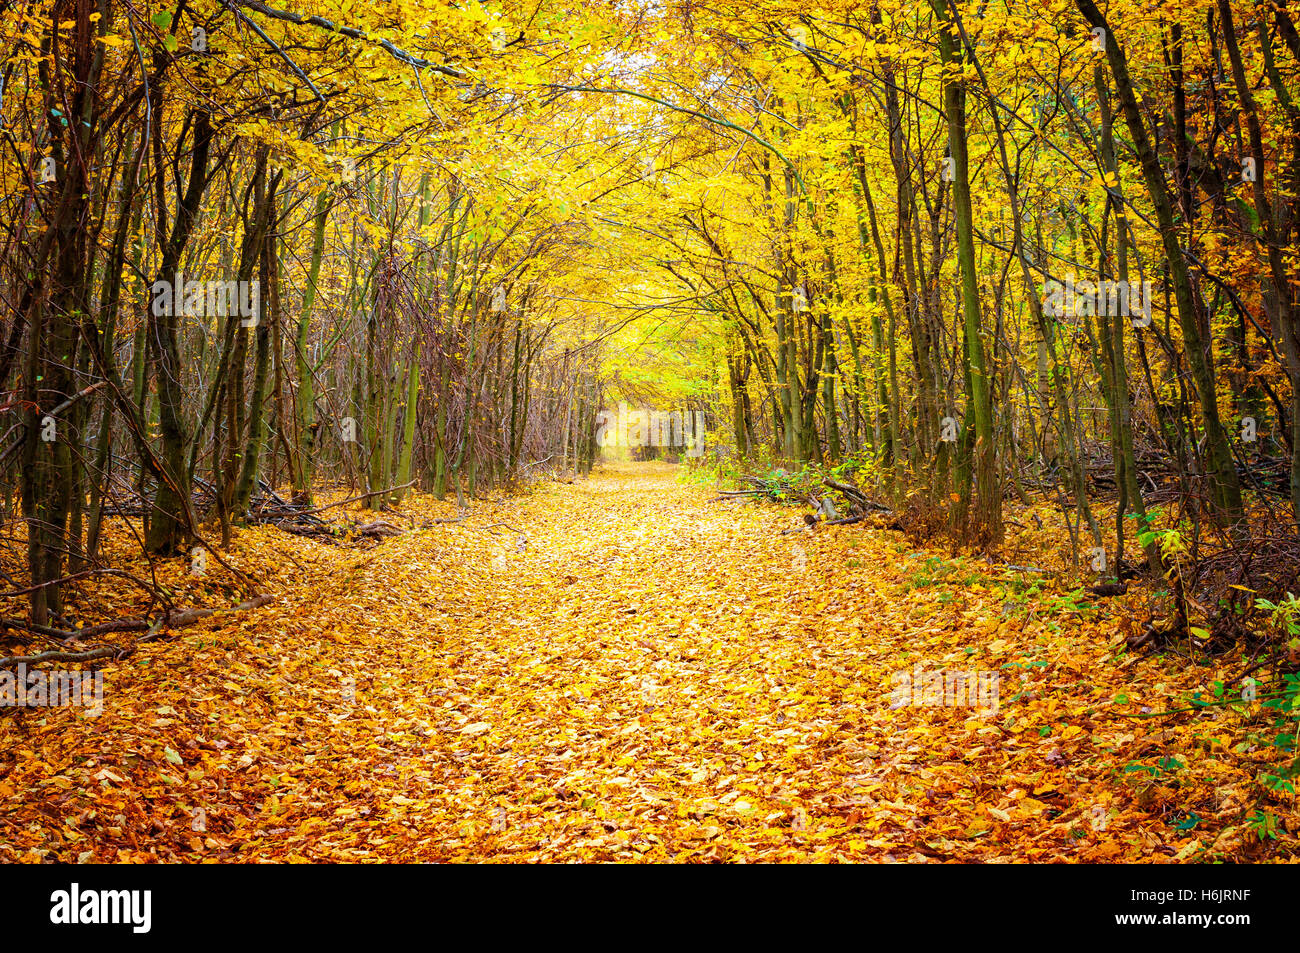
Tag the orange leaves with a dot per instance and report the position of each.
(652, 677)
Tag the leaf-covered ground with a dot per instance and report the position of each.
(620, 669)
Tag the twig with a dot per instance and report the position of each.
(53, 412)
(395, 51)
(495, 525)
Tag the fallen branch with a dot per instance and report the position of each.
(736, 494)
(378, 529)
(857, 496)
(848, 520)
(172, 619)
(103, 651)
(353, 499)
(184, 617)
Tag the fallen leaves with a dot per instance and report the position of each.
(650, 678)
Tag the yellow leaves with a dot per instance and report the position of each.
(496, 713)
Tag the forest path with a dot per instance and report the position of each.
(650, 675)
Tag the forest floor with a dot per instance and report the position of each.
(631, 671)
